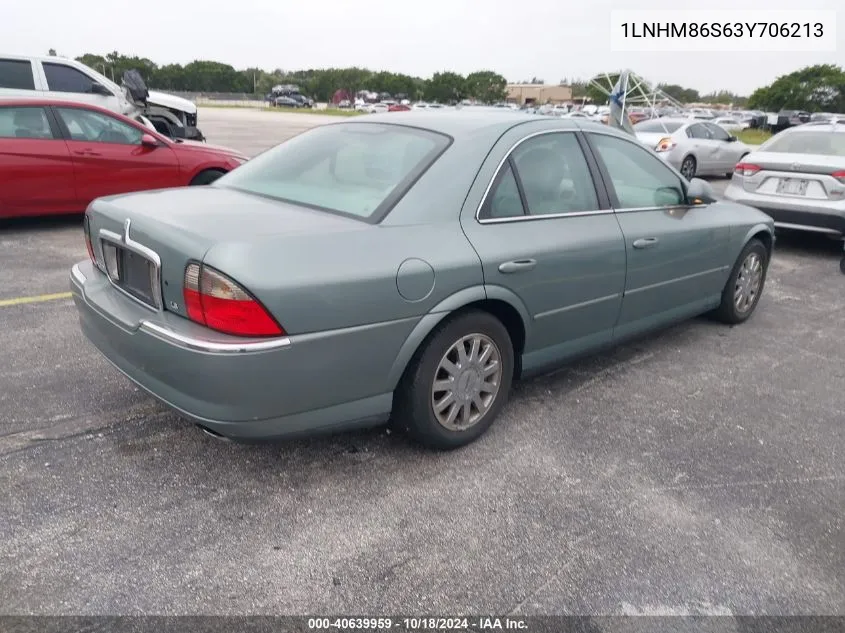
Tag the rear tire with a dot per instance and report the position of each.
(470, 389)
(206, 177)
(745, 284)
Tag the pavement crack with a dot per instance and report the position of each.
(77, 427)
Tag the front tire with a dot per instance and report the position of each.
(688, 167)
(745, 284)
(457, 383)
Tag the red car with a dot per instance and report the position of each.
(56, 157)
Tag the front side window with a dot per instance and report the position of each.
(24, 122)
(16, 74)
(61, 78)
(354, 169)
(94, 127)
(639, 178)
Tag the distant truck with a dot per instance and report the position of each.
(70, 80)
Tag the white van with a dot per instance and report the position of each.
(68, 79)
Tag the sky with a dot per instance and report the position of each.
(548, 39)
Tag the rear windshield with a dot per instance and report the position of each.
(354, 169)
(658, 126)
(822, 142)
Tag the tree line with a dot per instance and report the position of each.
(320, 84)
(819, 88)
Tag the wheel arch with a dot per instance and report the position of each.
(495, 300)
(763, 233)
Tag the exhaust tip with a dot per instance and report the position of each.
(213, 434)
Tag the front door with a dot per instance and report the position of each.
(728, 152)
(67, 83)
(546, 235)
(36, 170)
(677, 253)
(109, 158)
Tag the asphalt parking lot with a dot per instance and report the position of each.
(698, 471)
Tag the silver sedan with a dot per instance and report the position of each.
(798, 178)
(695, 148)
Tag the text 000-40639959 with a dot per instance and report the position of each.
(723, 31)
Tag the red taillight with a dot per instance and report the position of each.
(746, 169)
(214, 300)
(839, 175)
(664, 145)
(86, 229)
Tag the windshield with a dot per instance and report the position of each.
(354, 169)
(658, 126)
(823, 142)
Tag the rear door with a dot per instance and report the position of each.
(677, 254)
(109, 158)
(545, 234)
(17, 79)
(36, 171)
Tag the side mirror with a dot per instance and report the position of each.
(700, 192)
(100, 89)
(732, 139)
(148, 140)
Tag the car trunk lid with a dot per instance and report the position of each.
(790, 175)
(178, 226)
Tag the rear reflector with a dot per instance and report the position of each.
(746, 169)
(217, 302)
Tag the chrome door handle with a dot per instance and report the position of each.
(517, 266)
(646, 242)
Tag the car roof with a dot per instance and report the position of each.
(461, 123)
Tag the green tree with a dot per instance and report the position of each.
(446, 87)
(486, 86)
(679, 93)
(819, 88)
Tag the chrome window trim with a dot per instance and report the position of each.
(528, 218)
(213, 347)
(125, 241)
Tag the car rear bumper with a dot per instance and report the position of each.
(790, 214)
(240, 388)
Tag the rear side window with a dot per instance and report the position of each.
(16, 74)
(24, 122)
(358, 170)
(61, 78)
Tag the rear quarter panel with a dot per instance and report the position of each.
(321, 282)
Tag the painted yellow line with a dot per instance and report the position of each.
(36, 299)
